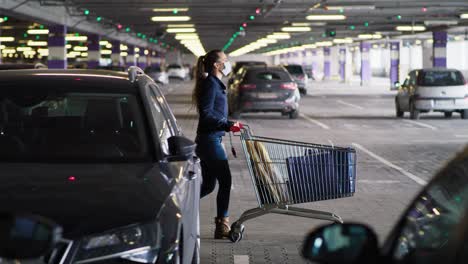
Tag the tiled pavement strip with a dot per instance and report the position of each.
(383, 192)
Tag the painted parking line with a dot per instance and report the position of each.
(241, 259)
(461, 136)
(419, 124)
(391, 165)
(318, 123)
(350, 105)
(378, 181)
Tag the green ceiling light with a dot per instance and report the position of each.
(98, 19)
(366, 24)
(241, 28)
(252, 17)
(175, 11)
(37, 37)
(25, 35)
(41, 26)
(5, 18)
(352, 27)
(138, 34)
(324, 35)
(86, 12)
(398, 17)
(127, 29)
(77, 34)
(341, 11)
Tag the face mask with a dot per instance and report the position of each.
(227, 68)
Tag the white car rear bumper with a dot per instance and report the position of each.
(441, 104)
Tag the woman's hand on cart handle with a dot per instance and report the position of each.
(236, 127)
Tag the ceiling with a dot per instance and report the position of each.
(217, 20)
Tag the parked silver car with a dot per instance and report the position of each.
(438, 90)
(158, 74)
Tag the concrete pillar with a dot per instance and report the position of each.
(115, 56)
(366, 73)
(440, 49)
(131, 60)
(57, 58)
(394, 63)
(326, 63)
(143, 59)
(342, 64)
(94, 51)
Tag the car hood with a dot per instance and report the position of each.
(85, 199)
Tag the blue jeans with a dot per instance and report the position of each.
(215, 167)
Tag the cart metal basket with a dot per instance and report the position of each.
(288, 172)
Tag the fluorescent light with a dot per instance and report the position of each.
(106, 52)
(296, 29)
(351, 7)
(300, 24)
(80, 48)
(23, 48)
(410, 28)
(326, 17)
(123, 54)
(84, 54)
(343, 41)
(279, 36)
(369, 36)
(9, 51)
(440, 22)
(43, 52)
(464, 16)
(37, 43)
(38, 31)
(123, 47)
(170, 18)
(180, 25)
(76, 38)
(137, 49)
(267, 40)
(2, 47)
(108, 46)
(7, 39)
(186, 36)
(146, 52)
(2, 20)
(68, 46)
(104, 42)
(168, 9)
(309, 46)
(29, 53)
(180, 30)
(324, 43)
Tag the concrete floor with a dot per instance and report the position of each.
(395, 158)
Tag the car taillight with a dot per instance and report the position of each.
(248, 86)
(289, 86)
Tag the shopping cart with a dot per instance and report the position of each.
(288, 172)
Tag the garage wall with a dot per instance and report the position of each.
(253, 57)
(457, 56)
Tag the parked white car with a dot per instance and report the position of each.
(436, 89)
(177, 71)
(158, 74)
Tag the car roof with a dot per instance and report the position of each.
(435, 69)
(115, 81)
(259, 67)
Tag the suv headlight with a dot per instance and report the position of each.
(139, 243)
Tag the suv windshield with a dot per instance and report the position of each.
(440, 78)
(294, 69)
(269, 75)
(47, 125)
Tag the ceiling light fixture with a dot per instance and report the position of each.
(38, 31)
(76, 38)
(296, 29)
(352, 7)
(180, 30)
(180, 25)
(184, 9)
(410, 28)
(170, 18)
(37, 43)
(343, 41)
(186, 36)
(326, 17)
(7, 39)
(464, 16)
(300, 24)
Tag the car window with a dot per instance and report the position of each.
(174, 66)
(294, 69)
(433, 218)
(45, 125)
(269, 76)
(441, 78)
(163, 125)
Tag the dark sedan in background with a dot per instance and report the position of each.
(263, 89)
(101, 154)
(300, 77)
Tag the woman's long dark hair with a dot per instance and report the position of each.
(205, 64)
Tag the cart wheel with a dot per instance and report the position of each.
(237, 232)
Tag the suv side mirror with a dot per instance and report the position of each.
(26, 236)
(180, 148)
(342, 243)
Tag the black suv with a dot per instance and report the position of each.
(101, 154)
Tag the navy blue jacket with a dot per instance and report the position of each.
(213, 108)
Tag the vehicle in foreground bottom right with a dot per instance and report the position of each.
(435, 89)
(434, 228)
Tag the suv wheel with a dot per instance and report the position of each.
(398, 111)
(448, 114)
(414, 113)
(464, 114)
(294, 114)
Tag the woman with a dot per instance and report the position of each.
(210, 98)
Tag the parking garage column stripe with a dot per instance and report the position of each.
(391, 165)
(318, 123)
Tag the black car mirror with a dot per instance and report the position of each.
(180, 148)
(342, 243)
(26, 236)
